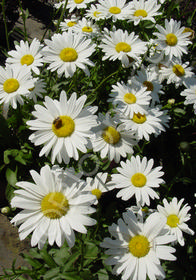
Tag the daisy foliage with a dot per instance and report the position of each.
(101, 111)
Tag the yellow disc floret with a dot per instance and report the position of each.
(71, 23)
(178, 70)
(63, 126)
(115, 10)
(27, 59)
(97, 192)
(139, 246)
(129, 98)
(11, 85)
(171, 39)
(138, 180)
(87, 29)
(111, 135)
(149, 85)
(172, 220)
(140, 13)
(54, 205)
(139, 118)
(123, 47)
(68, 54)
(78, 1)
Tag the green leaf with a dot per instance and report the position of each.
(102, 274)
(91, 250)
(70, 264)
(11, 176)
(48, 258)
(71, 276)
(52, 273)
(7, 153)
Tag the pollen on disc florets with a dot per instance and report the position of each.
(54, 205)
(63, 126)
(139, 118)
(27, 59)
(68, 54)
(11, 85)
(129, 98)
(114, 10)
(140, 13)
(138, 180)
(139, 246)
(123, 47)
(171, 39)
(111, 135)
(172, 220)
(178, 70)
(97, 192)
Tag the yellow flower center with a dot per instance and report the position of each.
(31, 89)
(68, 54)
(139, 118)
(54, 205)
(11, 85)
(97, 192)
(111, 135)
(178, 70)
(140, 13)
(123, 47)
(96, 13)
(172, 220)
(171, 39)
(115, 10)
(78, 1)
(129, 98)
(63, 126)
(139, 246)
(27, 59)
(71, 23)
(87, 29)
(138, 180)
(149, 85)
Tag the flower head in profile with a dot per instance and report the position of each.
(176, 218)
(37, 90)
(63, 127)
(69, 23)
(15, 83)
(65, 52)
(137, 177)
(143, 10)
(97, 185)
(52, 208)
(111, 139)
(171, 39)
(86, 27)
(94, 13)
(28, 55)
(130, 99)
(136, 247)
(122, 46)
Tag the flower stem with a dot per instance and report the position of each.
(5, 25)
(61, 16)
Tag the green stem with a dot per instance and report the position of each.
(24, 20)
(5, 25)
(61, 16)
(104, 80)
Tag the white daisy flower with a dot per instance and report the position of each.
(137, 177)
(97, 185)
(117, 9)
(136, 248)
(123, 46)
(153, 122)
(130, 99)
(73, 4)
(67, 51)
(63, 127)
(176, 72)
(172, 40)
(52, 209)
(15, 82)
(176, 218)
(86, 27)
(112, 140)
(37, 90)
(143, 10)
(28, 55)
(68, 24)
(94, 13)
(148, 78)
(190, 95)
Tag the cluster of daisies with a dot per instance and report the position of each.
(60, 200)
